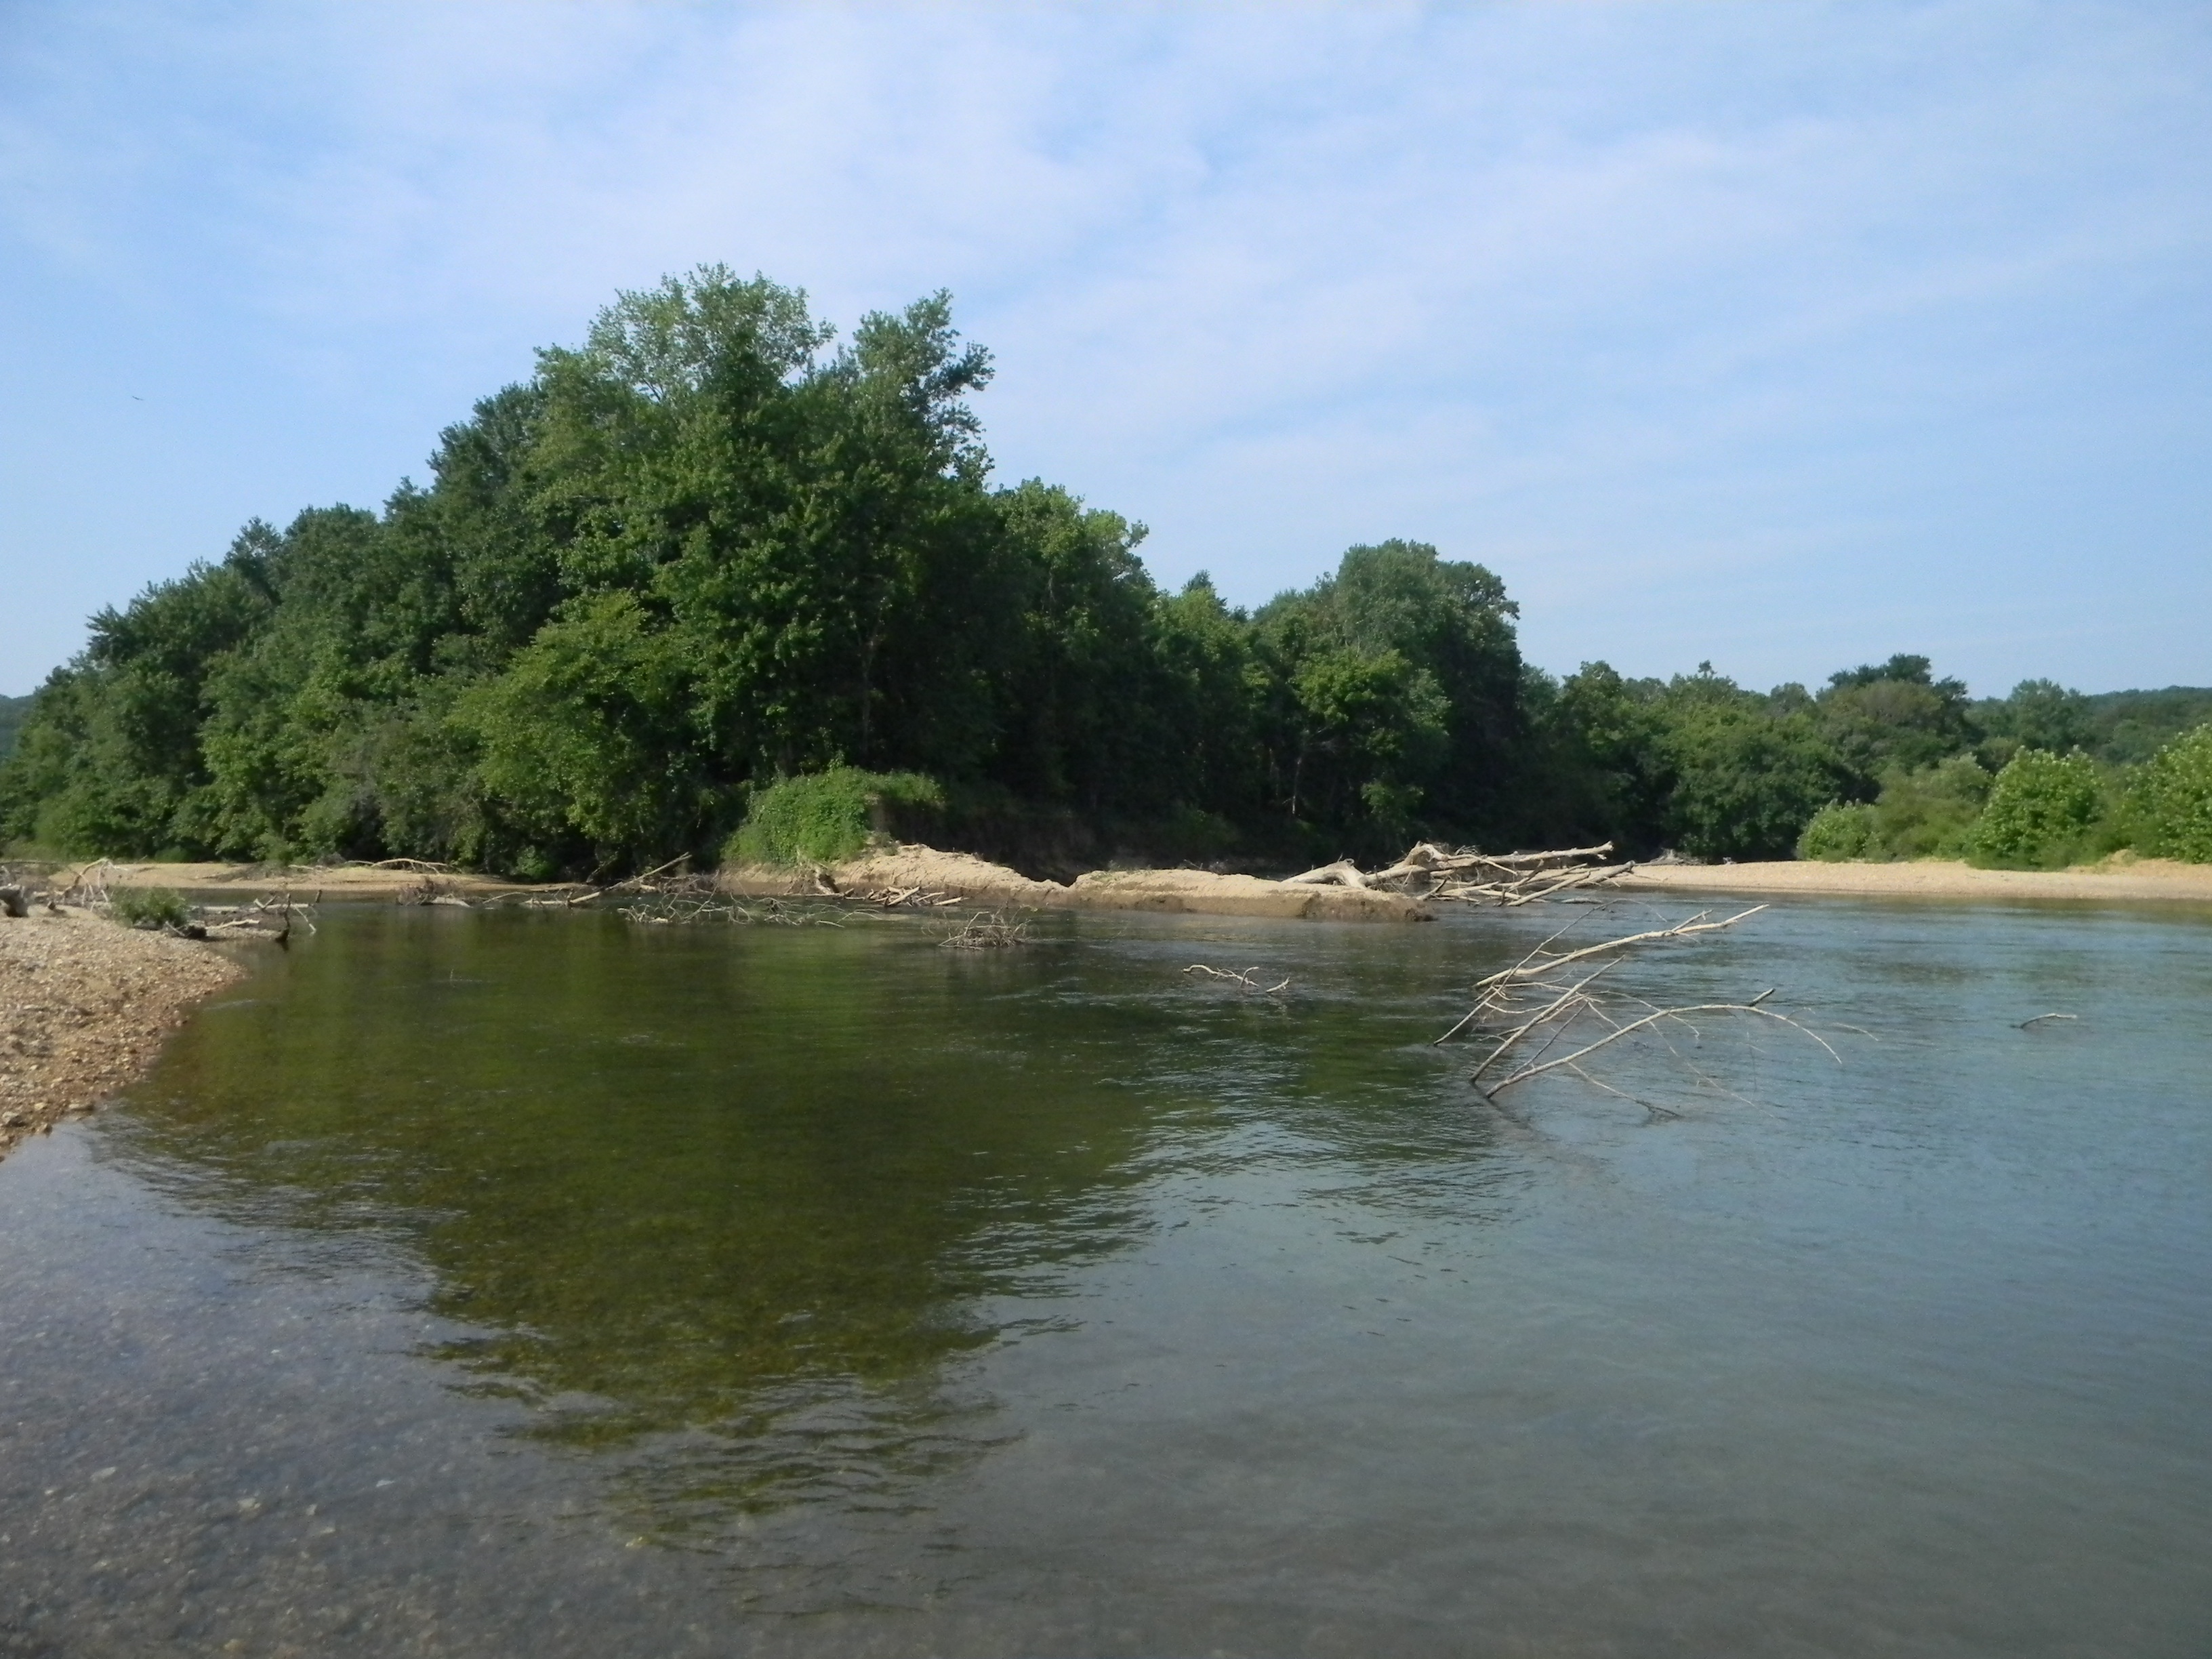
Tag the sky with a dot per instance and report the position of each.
(1782, 336)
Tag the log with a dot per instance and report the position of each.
(1342, 873)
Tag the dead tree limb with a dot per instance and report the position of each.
(1342, 873)
(1248, 979)
(1634, 1025)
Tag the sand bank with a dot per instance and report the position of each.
(303, 881)
(2129, 880)
(1196, 892)
(85, 1006)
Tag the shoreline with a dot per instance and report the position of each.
(86, 1005)
(973, 880)
(1202, 892)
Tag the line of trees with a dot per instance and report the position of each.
(709, 548)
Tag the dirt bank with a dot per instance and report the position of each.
(2119, 879)
(1198, 892)
(85, 1005)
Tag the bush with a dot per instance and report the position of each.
(1840, 831)
(826, 817)
(2042, 814)
(2171, 804)
(148, 907)
(1931, 812)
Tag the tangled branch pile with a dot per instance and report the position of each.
(269, 917)
(1551, 997)
(1431, 872)
(986, 930)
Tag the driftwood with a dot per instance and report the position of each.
(899, 898)
(1342, 873)
(1546, 999)
(1431, 872)
(431, 891)
(270, 918)
(696, 902)
(986, 930)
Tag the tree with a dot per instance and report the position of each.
(1893, 714)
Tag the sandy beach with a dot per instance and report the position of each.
(2121, 880)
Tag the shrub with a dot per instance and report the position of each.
(2043, 809)
(148, 907)
(826, 817)
(1931, 812)
(2171, 804)
(1840, 831)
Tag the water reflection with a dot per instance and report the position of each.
(730, 1203)
(673, 1181)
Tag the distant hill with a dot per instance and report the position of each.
(2133, 726)
(12, 710)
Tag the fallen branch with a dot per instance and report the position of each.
(1535, 1007)
(1477, 877)
(1342, 873)
(1583, 1053)
(1247, 978)
(1695, 924)
(986, 930)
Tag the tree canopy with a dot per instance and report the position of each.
(710, 548)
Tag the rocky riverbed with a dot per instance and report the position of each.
(85, 1006)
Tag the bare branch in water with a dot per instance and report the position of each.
(1527, 1011)
(1247, 979)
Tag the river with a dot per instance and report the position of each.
(500, 1283)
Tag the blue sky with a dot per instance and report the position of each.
(1783, 335)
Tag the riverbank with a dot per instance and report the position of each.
(2122, 879)
(85, 1006)
(1203, 892)
(961, 875)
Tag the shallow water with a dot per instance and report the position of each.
(475, 1282)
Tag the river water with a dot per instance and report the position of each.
(524, 1284)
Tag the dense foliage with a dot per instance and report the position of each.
(13, 713)
(829, 817)
(707, 553)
